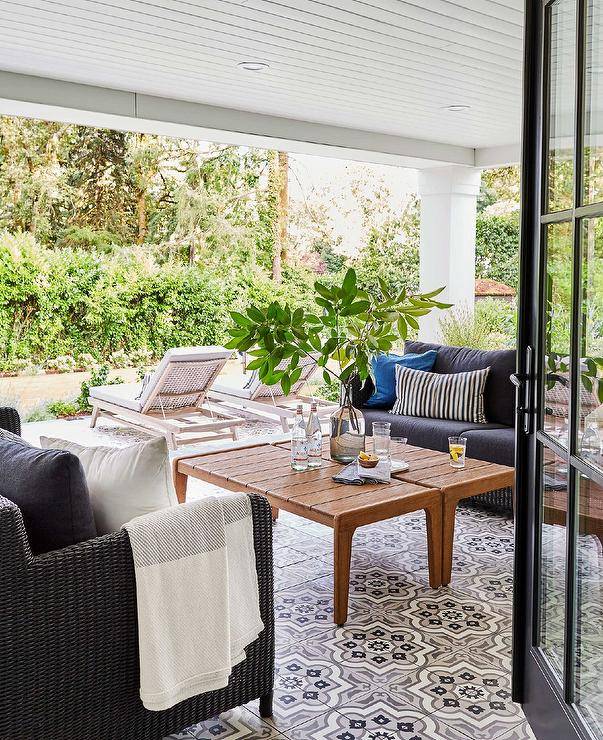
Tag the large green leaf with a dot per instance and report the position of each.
(241, 319)
(255, 364)
(286, 384)
(355, 308)
(255, 314)
(349, 281)
(324, 291)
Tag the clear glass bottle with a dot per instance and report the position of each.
(314, 438)
(299, 444)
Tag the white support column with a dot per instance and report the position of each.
(447, 251)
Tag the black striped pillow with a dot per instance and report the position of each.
(458, 396)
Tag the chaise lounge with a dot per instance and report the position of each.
(173, 401)
(266, 401)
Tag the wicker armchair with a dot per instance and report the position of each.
(69, 645)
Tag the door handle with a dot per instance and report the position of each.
(524, 382)
(518, 379)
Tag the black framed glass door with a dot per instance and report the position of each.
(558, 612)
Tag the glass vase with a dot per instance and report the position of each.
(347, 432)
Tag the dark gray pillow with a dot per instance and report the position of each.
(499, 395)
(49, 487)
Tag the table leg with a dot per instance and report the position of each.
(274, 513)
(433, 516)
(180, 483)
(342, 558)
(448, 519)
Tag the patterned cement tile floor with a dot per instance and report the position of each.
(412, 663)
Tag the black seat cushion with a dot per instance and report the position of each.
(499, 394)
(492, 445)
(49, 487)
(430, 433)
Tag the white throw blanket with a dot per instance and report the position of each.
(197, 596)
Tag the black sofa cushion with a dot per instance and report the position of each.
(422, 432)
(49, 487)
(499, 396)
(492, 445)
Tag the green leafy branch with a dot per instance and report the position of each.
(354, 325)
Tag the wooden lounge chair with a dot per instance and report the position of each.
(173, 400)
(268, 401)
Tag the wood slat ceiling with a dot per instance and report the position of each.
(382, 65)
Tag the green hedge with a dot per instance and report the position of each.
(497, 248)
(75, 301)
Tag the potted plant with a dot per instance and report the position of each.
(354, 326)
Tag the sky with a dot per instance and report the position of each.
(310, 176)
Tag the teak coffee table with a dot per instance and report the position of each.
(314, 495)
(432, 469)
(429, 484)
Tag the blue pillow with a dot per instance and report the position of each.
(383, 369)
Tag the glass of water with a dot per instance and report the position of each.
(381, 439)
(457, 447)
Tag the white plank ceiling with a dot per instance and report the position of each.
(388, 66)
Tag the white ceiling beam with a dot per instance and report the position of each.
(490, 157)
(41, 97)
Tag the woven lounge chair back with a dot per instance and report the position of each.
(261, 390)
(183, 378)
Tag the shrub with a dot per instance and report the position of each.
(99, 376)
(87, 361)
(67, 301)
(141, 357)
(63, 409)
(490, 326)
(120, 359)
(63, 364)
(497, 248)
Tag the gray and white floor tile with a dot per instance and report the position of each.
(411, 663)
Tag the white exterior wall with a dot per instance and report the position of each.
(447, 247)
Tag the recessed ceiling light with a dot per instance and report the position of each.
(253, 66)
(456, 108)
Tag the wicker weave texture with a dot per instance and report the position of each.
(69, 645)
(191, 379)
(9, 420)
(499, 501)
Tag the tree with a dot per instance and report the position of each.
(33, 189)
(101, 195)
(279, 180)
(499, 186)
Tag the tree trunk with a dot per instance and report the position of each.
(282, 216)
(141, 212)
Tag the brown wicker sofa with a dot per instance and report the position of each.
(69, 644)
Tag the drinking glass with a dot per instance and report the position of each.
(457, 447)
(381, 439)
(399, 445)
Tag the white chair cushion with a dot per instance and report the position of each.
(124, 482)
(121, 394)
(237, 391)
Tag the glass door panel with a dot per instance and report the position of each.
(554, 497)
(561, 22)
(593, 103)
(557, 322)
(589, 644)
(590, 401)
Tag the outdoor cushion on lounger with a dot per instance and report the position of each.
(122, 394)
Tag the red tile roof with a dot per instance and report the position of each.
(486, 287)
